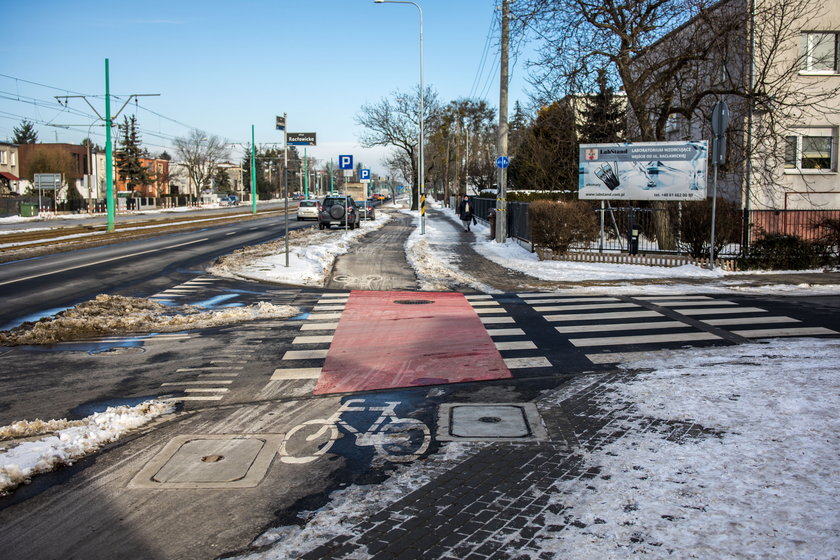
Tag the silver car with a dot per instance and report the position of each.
(308, 210)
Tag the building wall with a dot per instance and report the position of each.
(10, 163)
(728, 69)
(77, 153)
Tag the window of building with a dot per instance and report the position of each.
(813, 150)
(3, 157)
(820, 52)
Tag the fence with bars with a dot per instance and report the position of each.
(619, 220)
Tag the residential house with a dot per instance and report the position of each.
(776, 63)
(9, 169)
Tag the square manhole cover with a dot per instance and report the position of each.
(490, 422)
(210, 461)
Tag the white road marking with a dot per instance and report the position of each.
(643, 339)
(295, 373)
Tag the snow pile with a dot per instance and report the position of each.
(71, 441)
(311, 255)
(433, 263)
(355, 504)
(109, 314)
(765, 488)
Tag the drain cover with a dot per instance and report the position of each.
(490, 422)
(210, 461)
(413, 301)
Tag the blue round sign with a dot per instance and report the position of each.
(502, 162)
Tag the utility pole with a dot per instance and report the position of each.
(108, 118)
(501, 197)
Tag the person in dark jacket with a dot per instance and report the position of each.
(465, 211)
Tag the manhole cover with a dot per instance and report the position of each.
(210, 461)
(490, 422)
(413, 301)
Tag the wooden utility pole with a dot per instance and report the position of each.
(501, 196)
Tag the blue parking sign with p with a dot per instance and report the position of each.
(345, 162)
(364, 174)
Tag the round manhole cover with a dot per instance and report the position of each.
(413, 301)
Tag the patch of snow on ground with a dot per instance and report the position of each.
(355, 504)
(70, 441)
(312, 253)
(107, 315)
(765, 488)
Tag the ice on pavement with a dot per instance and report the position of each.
(112, 314)
(69, 440)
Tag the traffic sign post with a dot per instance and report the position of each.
(502, 162)
(345, 162)
(720, 122)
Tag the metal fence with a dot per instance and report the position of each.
(801, 223)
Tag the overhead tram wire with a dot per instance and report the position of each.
(485, 51)
(483, 66)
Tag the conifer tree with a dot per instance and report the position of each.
(127, 157)
(603, 116)
(24, 133)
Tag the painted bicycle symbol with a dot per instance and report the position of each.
(396, 439)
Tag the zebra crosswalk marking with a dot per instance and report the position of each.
(601, 316)
(584, 307)
(643, 339)
(749, 320)
(720, 311)
(623, 327)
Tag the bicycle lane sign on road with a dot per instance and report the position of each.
(395, 438)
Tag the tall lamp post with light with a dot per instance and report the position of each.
(421, 190)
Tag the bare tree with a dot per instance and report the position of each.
(201, 154)
(394, 122)
(674, 58)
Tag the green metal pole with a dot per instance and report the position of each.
(109, 152)
(305, 175)
(253, 173)
(332, 178)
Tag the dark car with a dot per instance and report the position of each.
(366, 210)
(339, 210)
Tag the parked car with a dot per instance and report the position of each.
(366, 210)
(339, 210)
(231, 200)
(308, 210)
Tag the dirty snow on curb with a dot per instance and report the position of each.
(766, 487)
(110, 314)
(312, 253)
(70, 441)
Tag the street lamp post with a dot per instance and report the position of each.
(421, 190)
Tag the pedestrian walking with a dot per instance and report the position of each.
(465, 211)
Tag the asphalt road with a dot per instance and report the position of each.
(140, 498)
(39, 286)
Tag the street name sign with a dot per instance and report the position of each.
(300, 138)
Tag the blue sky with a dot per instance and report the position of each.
(223, 66)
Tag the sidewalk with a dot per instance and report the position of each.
(677, 486)
(507, 280)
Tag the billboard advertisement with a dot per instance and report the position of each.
(643, 171)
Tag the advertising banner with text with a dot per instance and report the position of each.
(643, 171)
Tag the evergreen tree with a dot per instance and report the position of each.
(603, 116)
(24, 133)
(127, 157)
(548, 154)
(165, 155)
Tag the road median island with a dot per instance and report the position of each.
(45, 242)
